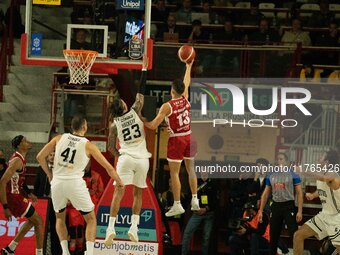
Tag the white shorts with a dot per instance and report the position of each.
(133, 170)
(73, 190)
(326, 225)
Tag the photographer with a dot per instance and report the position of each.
(208, 199)
(249, 235)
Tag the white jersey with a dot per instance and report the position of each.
(131, 135)
(330, 199)
(70, 157)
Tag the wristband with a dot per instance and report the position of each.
(144, 69)
(5, 206)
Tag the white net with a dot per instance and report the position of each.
(80, 63)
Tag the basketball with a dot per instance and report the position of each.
(186, 53)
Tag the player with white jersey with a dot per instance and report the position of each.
(327, 222)
(72, 154)
(133, 161)
(181, 143)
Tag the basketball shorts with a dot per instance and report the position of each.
(180, 147)
(18, 205)
(326, 225)
(73, 190)
(133, 171)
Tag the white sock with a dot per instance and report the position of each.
(39, 251)
(89, 248)
(177, 203)
(194, 196)
(13, 245)
(134, 220)
(112, 221)
(64, 247)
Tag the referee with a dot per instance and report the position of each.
(282, 184)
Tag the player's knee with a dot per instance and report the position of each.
(37, 220)
(298, 236)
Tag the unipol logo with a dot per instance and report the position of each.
(239, 103)
(131, 4)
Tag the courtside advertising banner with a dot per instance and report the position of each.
(146, 227)
(126, 248)
(8, 229)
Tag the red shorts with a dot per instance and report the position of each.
(180, 147)
(74, 217)
(18, 205)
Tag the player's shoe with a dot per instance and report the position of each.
(110, 235)
(195, 204)
(6, 251)
(133, 234)
(176, 209)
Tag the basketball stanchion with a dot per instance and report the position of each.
(80, 63)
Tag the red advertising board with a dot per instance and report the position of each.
(8, 229)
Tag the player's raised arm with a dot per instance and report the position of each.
(187, 79)
(163, 112)
(112, 140)
(42, 155)
(13, 166)
(98, 156)
(139, 102)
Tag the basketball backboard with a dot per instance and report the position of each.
(54, 25)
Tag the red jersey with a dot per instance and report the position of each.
(14, 186)
(179, 120)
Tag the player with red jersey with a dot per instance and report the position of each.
(181, 143)
(12, 185)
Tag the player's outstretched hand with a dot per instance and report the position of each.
(145, 62)
(8, 214)
(189, 65)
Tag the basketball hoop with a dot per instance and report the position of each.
(80, 63)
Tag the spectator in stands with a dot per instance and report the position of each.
(284, 185)
(296, 35)
(208, 197)
(250, 235)
(80, 42)
(264, 35)
(184, 13)
(198, 35)
(171, 28)
(94, 183)
(18, 27)
(328, 39)
(322, 18)
(213, 17)
(228, 35)
(159, 13)
(253, 17)
(42, 188)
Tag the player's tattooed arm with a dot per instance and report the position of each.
(138, 104)
(113, 140)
